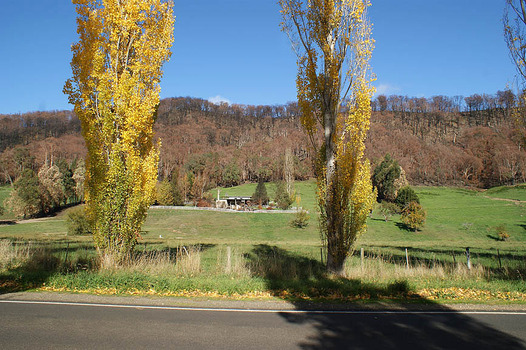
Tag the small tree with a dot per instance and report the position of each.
(405, 196)
(77, 222)
(388, 178)
(79, 176)
(288, 173)
(260, 195)
(68, 182)
(301, 219)
(282, 197)
(51, 187)
(163, 193)
(502, 233)
(25, 199)
(414, 216)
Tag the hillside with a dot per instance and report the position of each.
(438, 141)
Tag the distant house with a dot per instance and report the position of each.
(233, 202)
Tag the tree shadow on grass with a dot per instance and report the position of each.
(403, 227)
(7, 222)
(299, 278)
(36, 263)
(495, 238)
(32, 273)
(350, 314)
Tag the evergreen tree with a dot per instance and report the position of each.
(388, 177)
(260, 195)
(282, 197)
(405, 196)
(25, 199)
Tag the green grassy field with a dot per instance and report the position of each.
(259, 242)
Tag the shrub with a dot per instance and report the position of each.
(301, 219)
(282, 197)
(405, 196)
(502, 233)
(413, 216)
(204, 203)
(77, 222)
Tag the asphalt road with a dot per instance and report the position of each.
(56, 325)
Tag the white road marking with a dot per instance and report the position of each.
(335, 312)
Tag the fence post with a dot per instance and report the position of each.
(67, 252)
(498, 255)
(362, 255)
(228, 259)
(406, 259)
(469, 259)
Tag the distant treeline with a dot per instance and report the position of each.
(441, 140)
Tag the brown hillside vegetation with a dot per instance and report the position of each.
(439, 141)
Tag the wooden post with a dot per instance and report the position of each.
(362, 256)
(67, 251)
(228, 259)
(454, 259)
(500, 262)
(406, 259)
(469, 259)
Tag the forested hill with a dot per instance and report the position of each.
(443, 140)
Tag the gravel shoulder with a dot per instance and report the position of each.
(277, 305)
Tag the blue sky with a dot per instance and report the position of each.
(233, 50)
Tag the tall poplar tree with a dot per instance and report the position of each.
(332, 39)
(117, 67)
(515, 33)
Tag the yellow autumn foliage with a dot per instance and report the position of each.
(117, 67)
(332, 40)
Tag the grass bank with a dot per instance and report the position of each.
(238, 255)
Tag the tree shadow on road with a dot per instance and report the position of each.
(351, 314)
(407, 328)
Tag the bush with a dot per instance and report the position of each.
(77, 222)
(405, 196)
(413, 216)
(502, 233)
(301, 219)
(203, 203)
(282, 197)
